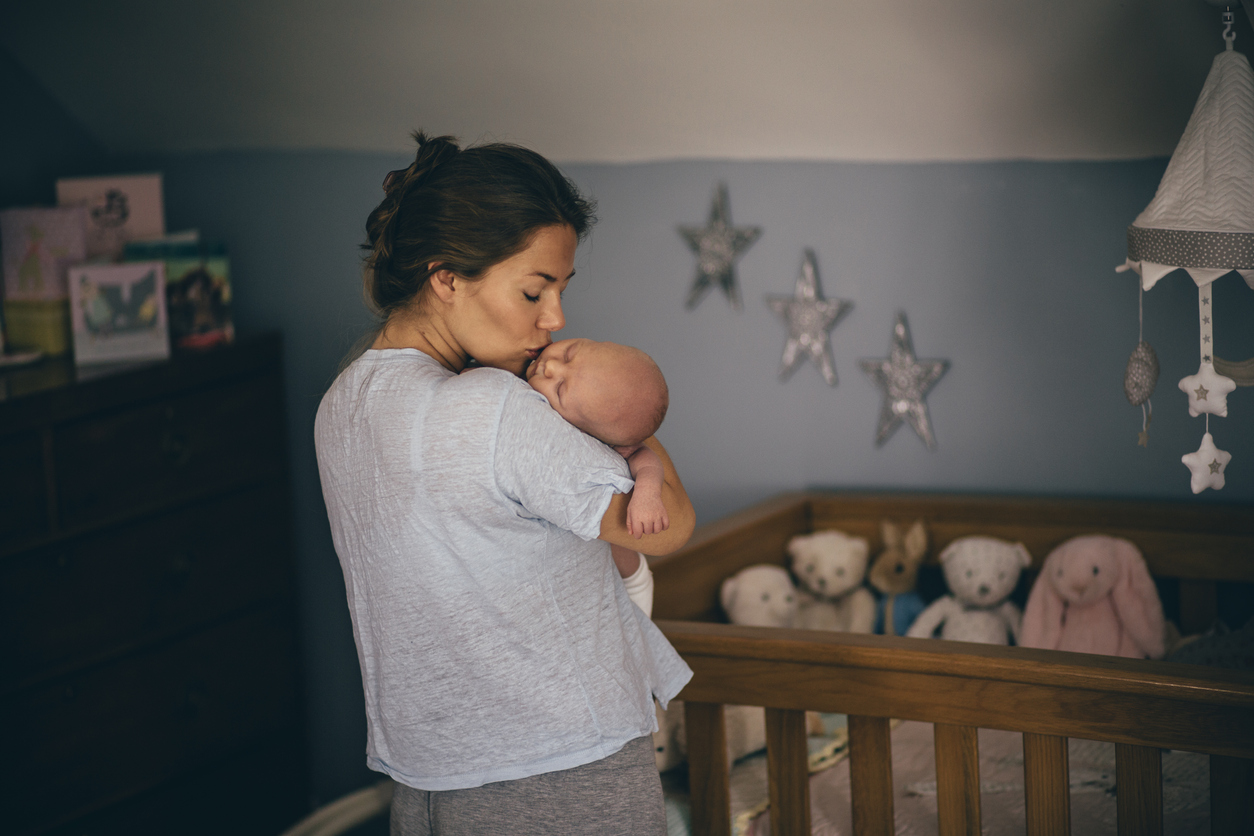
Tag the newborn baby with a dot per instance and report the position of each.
(617, 394)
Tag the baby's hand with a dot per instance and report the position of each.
(646, 515)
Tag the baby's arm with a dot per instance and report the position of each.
(646, 514)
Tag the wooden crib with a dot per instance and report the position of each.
(1205, 551)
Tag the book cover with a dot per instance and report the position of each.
(120, 208)
(118, 312)
(198, 290)
(37, 246)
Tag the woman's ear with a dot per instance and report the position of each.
(442, 284)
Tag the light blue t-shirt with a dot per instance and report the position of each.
(495, 637)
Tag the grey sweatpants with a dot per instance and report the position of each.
(618, 796)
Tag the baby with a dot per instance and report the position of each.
(617, 394)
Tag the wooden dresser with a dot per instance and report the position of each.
(149, 671)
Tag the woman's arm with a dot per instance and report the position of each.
(678, 509)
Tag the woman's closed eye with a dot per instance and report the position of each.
(531, 298)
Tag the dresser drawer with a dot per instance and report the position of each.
(67, 604)
(23, 495)
(105, 734)
(116, 464)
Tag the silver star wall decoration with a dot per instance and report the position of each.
(809, 317)
(718, 244)
(905, 381)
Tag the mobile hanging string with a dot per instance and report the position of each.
(1146, 416)
(1228, 19)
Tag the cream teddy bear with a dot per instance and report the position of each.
(981, 572)
(760, 596)
(831, 566)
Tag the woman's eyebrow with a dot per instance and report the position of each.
(549, 278)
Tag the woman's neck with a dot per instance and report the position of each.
(409, 329)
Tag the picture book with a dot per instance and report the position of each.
(198, 290)
(118, 312)
(37, 246)
(120, 208)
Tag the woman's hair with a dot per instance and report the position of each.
(462, 210)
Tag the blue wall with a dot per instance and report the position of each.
(39, 141)
(1004, 269)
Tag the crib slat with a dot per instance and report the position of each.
(1046, 785)
(1139, 784)
(709, 792)
(787, 764)
(871, 776)
(957, 780)
(1231, 795)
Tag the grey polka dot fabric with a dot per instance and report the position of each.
(1187, 248)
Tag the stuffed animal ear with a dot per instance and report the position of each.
(1136, 600)
(916, 541)
(1042, 617)
(891, 534)
(1025, 557)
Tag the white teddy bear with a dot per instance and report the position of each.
(760, 596)
(981, 572)
(831, 565)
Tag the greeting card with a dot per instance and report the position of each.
(120, 208)
(118, 312)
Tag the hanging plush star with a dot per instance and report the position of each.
(905, 381)
(718, 244)
(1207, 465)
(1208, 391)
(809, 317)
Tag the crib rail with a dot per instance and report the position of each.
(1045, 695)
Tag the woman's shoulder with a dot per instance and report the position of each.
(380, 374)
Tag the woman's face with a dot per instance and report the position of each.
(505, 318)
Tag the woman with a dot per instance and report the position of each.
(509, 680)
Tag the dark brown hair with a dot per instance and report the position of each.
(462, 210)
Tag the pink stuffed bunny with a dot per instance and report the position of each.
(1094, 595)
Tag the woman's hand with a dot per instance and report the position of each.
(675, 505)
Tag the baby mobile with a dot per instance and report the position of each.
(1201, 220)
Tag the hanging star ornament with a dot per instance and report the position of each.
(809, 317)
(718, 244)
(1207, 465)
(905, 381)
(1207, 390)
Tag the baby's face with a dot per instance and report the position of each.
(574, 375)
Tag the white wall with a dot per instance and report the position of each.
(630, 80)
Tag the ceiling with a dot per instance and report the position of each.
(629, 80)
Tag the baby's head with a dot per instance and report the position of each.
(613, 392)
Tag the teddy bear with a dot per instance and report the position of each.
(1095, 595)
(980, 572)
(894, 574)
(831, 566)
(762, 595)
(745, 726)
